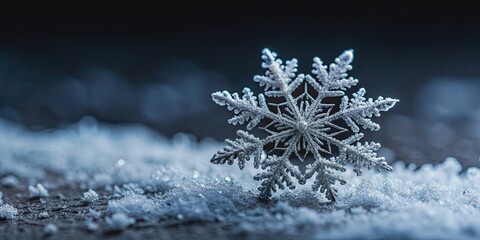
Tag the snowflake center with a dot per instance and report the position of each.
(302, 126)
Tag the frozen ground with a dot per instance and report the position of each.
(145, 186)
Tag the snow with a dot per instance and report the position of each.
(91, 226)
(90, 196)
(8, 212)
(9, 181)
(43, 215)
(162, 180)
(119, 221)
(50, 229)
(37, 191)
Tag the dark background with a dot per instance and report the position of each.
(158, 64)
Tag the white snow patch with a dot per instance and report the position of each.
(43, 215)
(90, 196)
(7, 211)
(435, 202)
(9, 181)
(37, 191)
(91, 226)
(119, 221)
(94, 214)
(137, 206)
(50, 229)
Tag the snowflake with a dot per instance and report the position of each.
(303, 124)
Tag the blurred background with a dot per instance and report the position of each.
(157, 65)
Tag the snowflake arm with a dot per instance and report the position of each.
(335, 78)
(246, 108)
(279, 77)
(240, 149)
(324, 180)
(334, 82)
(359, 155)
(278, 173)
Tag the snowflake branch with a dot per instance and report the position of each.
(240, 149)
(359, 113)
(363, 155)
(325, 178)
(277, 78)
(279, 171)
(278, 136)
(359, 155)
(247, 108)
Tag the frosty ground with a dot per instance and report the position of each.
(150, 186)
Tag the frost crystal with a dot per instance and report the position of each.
(303, 126)
(119, 221)
(7, 211)
(50, 229)
(37, 191)
(43, 215)
(9, 181)
(90, 196)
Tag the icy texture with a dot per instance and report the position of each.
(8, 212)
(302, 126)
(90, 196)
(1, 200)
(37, 191)
(119, 221)
(99, 156)
(435, 203)
(9, 181)
(50, 229)
(199, 199)
(138, 206)
(167, 181)
(91, 226)
(43, 215)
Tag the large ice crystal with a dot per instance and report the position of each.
(303, 125)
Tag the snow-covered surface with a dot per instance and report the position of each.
(6, 210)
(154, 179)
